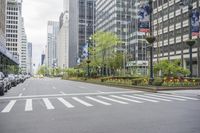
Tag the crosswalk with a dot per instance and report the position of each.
(90, 101)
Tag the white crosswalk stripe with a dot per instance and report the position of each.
(48, 103)
(184, 97)
(150, 97)
(28, 106)
(97, 100)
(149, 100)
(114, 100)
(173, 98)
(66, 103)
(82, 102)
(127, 99)
(9, 106)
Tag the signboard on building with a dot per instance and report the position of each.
(195, 23)
(144, 18)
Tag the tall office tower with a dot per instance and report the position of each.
(23, 48)
(120, 17)
(42, 59)
(2, 23)
(13, 19)
(171, 28)
(76, 26)
(52, 31)
(29, 59)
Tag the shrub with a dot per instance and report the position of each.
(140, 81)
(158, 81)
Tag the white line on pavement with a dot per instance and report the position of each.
(20, 95)
(123, 98)
(161, 99)
(24, 89)
(54, 87)
(48, 103)
(9, 106)
(149, 100)
(72, 94)
(114, 100)
(190, 98)
(28, 106)
(82, 102)
(97, 100)
(66, 103)
(173, 98)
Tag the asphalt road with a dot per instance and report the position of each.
(58, 106)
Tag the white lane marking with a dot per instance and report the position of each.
(48, 103)
(20, 95)
(28, 106)
(82, 102)
(114, 100)
(100, 91)
(72, 94)
(24, 89)
(54, 87)
(9, 106)
(61, 92)
(184, 97)
(149, 100)
(161, 99)
(66, 103)
(97, 100)
(127, 99)
(179, 99)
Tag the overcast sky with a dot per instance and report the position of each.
(36, 13)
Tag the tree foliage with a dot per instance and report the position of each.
(170, 68)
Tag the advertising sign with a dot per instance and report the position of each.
(144, 17)
(195, 23)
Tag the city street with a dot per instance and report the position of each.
(54, 105)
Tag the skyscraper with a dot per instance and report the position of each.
(13, 24)
(29, 59)
(120, 17)
(76, 26)
(52, 31)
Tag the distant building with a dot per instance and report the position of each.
(76, 26)
(29, 59)
(42, 59)
(52, 31)
(23, 48)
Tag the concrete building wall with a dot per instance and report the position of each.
(29, 59)
(52, 31)
(171, 28)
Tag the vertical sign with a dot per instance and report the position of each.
(144, 18)
(195, 23)
(85, 51)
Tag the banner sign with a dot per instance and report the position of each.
(144, 17)
(195, 23)
(85, 51)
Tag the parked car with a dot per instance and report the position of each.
(1, 84)
(7, 84)
(22, 78)
(17, 79)
(12, 79)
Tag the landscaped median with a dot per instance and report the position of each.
(141, 83)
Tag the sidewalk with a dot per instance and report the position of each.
(195, 93)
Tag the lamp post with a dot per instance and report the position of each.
(151, 39)
(88, 58)
(189, 42)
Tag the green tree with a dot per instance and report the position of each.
(104, 48)
(170, 68)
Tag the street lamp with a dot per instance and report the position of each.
(88, 59)
(189, 42)
(151, 39)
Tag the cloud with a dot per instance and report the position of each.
(36, 14)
